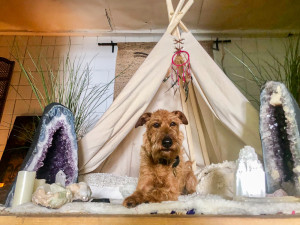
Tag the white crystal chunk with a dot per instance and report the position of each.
(249, 176)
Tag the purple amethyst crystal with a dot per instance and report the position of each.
(279, 130)
(54, 147)
(191, 212)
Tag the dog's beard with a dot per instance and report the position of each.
(158, 152)
(161, 154)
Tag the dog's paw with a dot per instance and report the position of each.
(131, 202)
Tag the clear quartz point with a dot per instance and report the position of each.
(60, 178)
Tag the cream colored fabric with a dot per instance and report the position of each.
(228, 121)
(125, 159)
(235, 121)
(120, 118)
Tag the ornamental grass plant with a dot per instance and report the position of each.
(286, 71)
(70, 84)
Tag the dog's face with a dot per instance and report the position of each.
(162, 136)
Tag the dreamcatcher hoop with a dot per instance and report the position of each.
(180, 71)
(178, 53)
(186, 73)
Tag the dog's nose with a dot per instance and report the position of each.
(167, 142)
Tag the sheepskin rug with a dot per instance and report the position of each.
(214, 196)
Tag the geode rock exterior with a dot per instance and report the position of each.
(279, 131)
(54, 147)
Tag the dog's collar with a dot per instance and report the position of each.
(166, 162)
(176, 163)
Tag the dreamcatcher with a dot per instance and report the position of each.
(180, 70)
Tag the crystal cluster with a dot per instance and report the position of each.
(217, 179)
(279, 131)
(105, 185)
(54, 147)
(80, 191)
(54, 196)
(250, 176)
(51, 196)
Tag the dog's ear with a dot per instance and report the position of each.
(181, 116)
(143, 119)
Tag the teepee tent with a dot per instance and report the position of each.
(221, 120)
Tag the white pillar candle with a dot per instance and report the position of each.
(24, 187)
(37, 183)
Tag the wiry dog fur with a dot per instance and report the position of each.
(160, 178)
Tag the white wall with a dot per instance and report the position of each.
(22, 101)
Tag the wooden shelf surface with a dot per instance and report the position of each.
(146, 220)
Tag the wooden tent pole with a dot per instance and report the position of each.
(193, 100)
(184, 106)
(196, 113)
(171, 13)
(198, 125)
(178, 16)
(176, 13)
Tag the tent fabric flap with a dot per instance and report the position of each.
(227, 103)
(122, 115)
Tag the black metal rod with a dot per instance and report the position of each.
(217, 42)
(109, 44)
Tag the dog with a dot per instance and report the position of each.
(163, 173)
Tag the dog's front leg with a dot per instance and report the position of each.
(190, 179)
(162, 194)
(141, 193)
(135, 199)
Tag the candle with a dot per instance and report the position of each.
(37, 183)
(24, 187)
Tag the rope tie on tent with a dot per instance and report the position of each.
(180, 69)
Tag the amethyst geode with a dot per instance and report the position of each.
(279, 131)
(54, 147)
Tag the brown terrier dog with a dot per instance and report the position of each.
(163, 173)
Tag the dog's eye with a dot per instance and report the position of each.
(156, 125)
(173, 124)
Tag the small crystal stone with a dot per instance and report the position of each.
(60, 178)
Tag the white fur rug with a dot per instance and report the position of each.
(214, 197)
(215, 179)
(192, 204)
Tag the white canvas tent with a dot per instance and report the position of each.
(221, 120)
